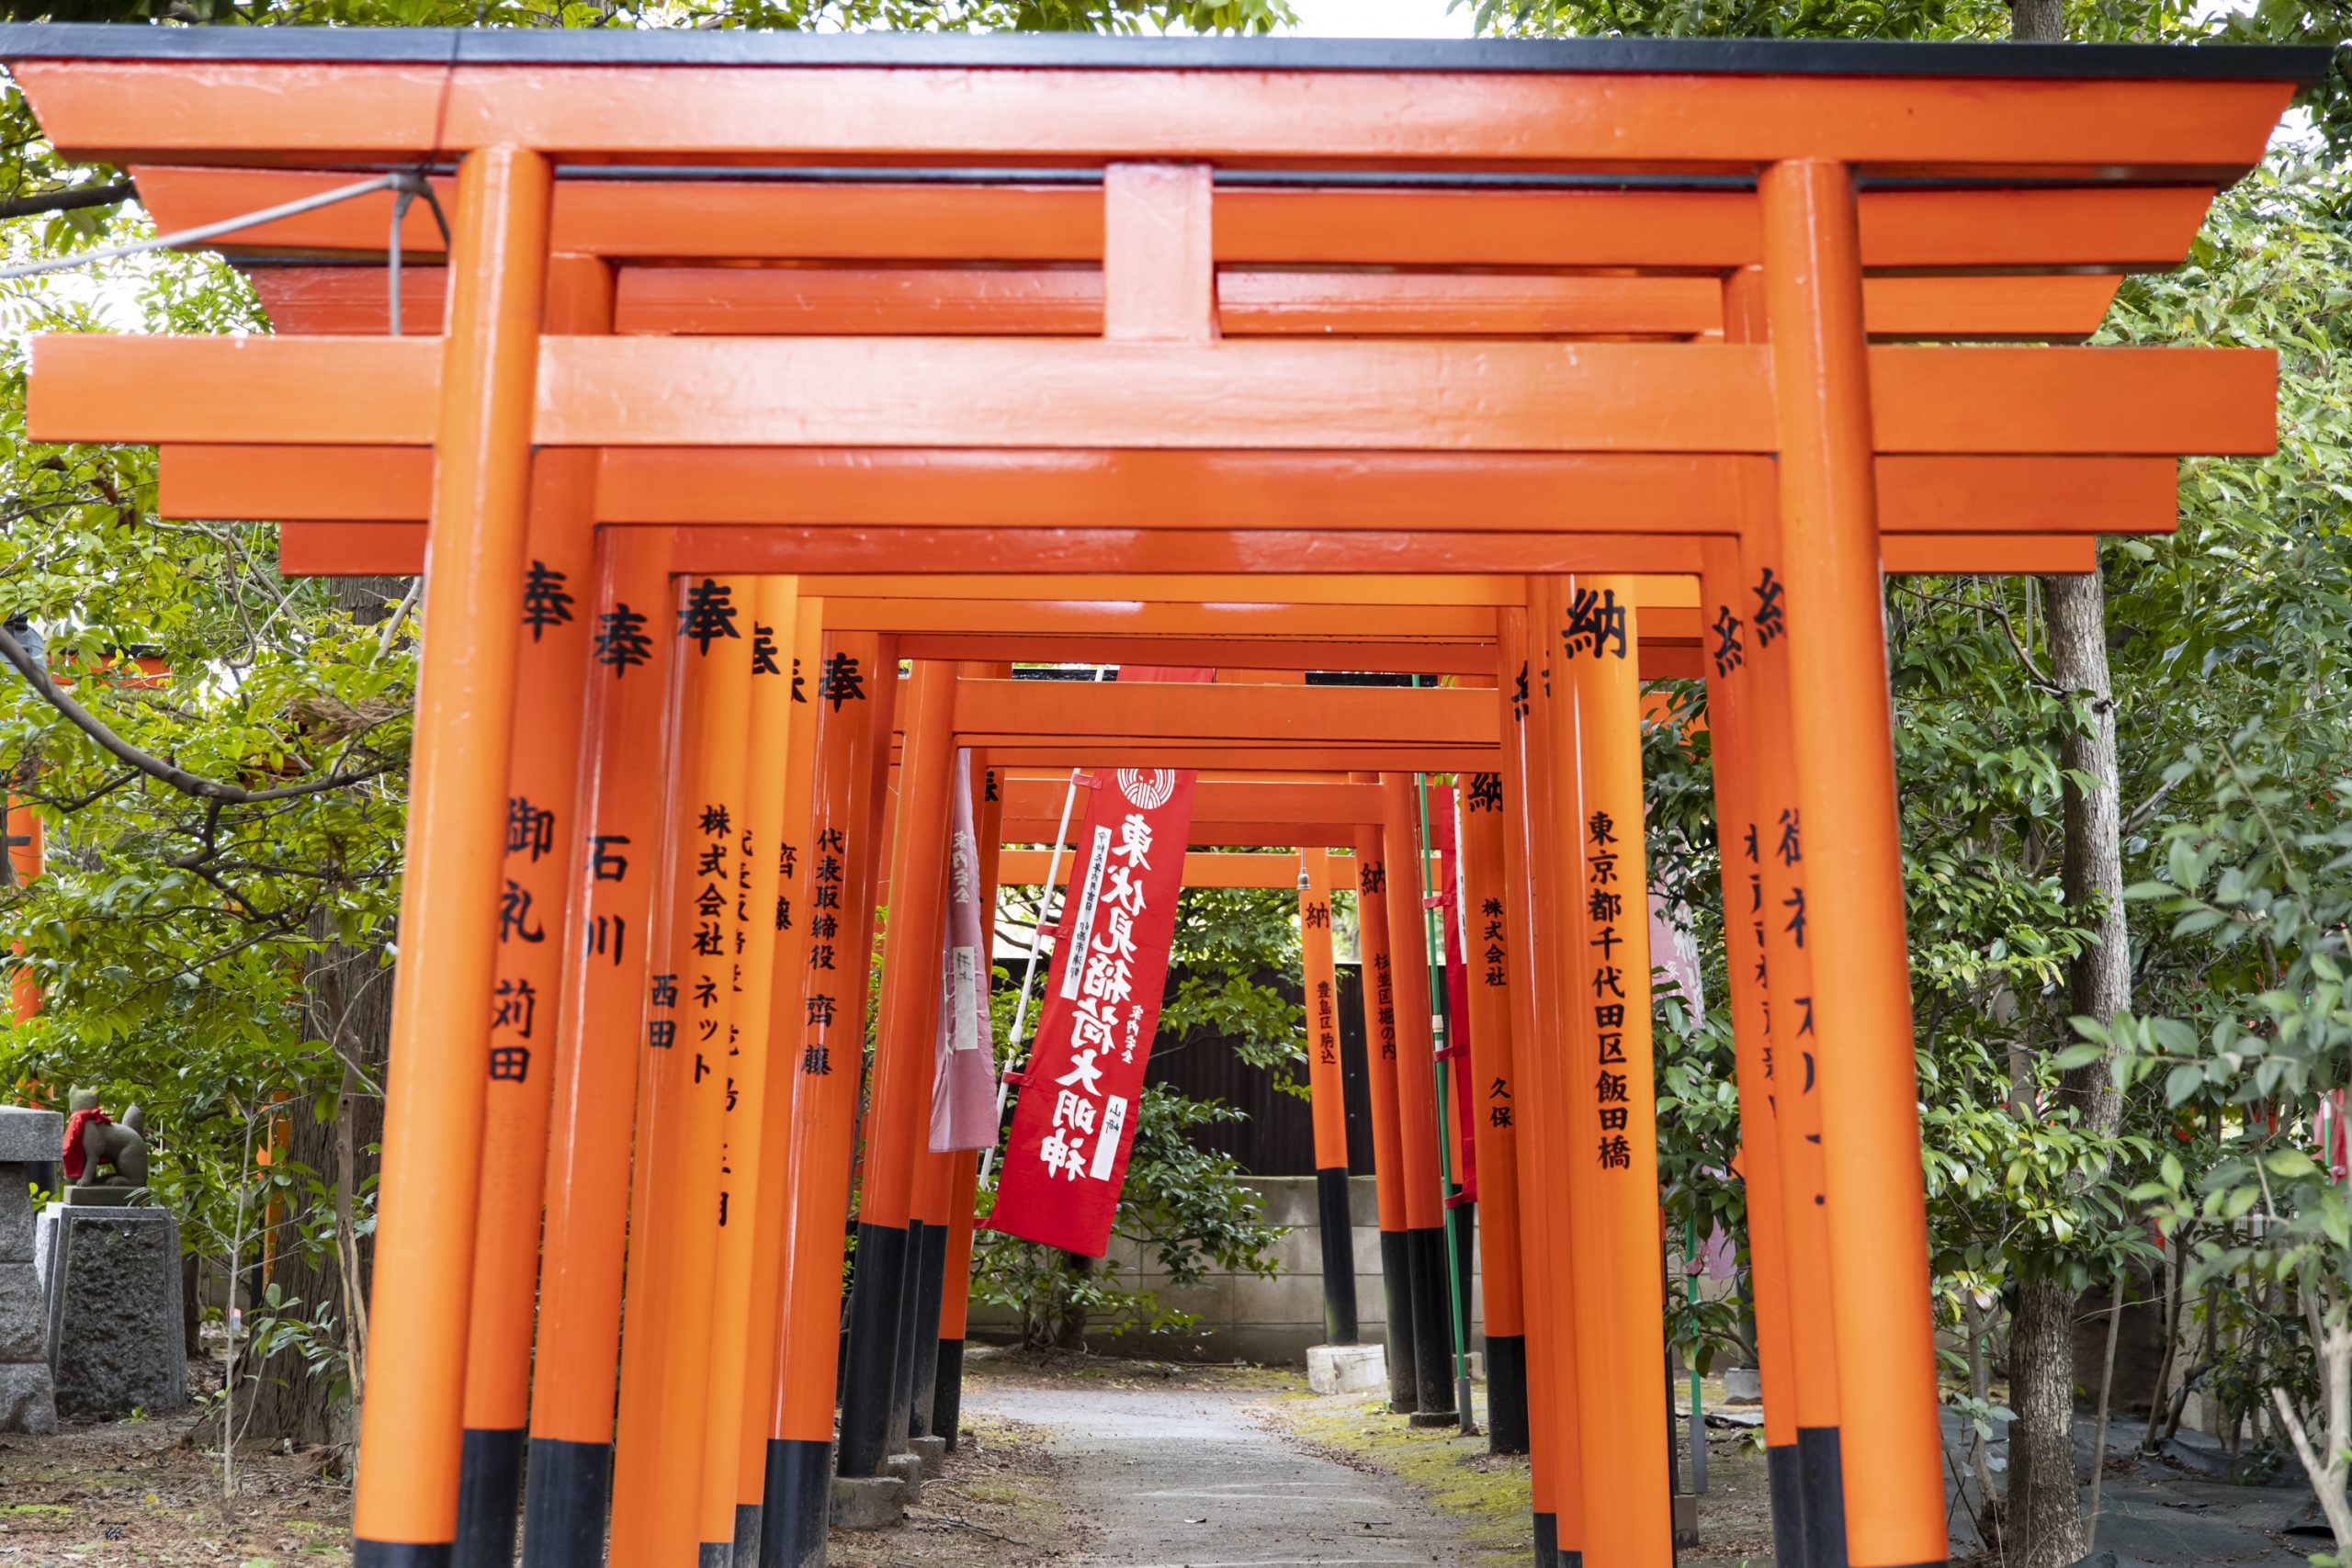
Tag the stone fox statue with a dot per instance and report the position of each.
(99, 1152)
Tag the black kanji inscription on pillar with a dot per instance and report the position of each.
(621, 642)
(709, 613)
(544, 603)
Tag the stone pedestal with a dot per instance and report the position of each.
(1347, 1369)
(116, 1342)
(933, 1451)
(28, 1140)
(867, 1502)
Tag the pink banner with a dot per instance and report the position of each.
(962, 1087)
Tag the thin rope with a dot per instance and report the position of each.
(1029, 974)
(212, 231)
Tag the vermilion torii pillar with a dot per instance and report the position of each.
(1334, 1207)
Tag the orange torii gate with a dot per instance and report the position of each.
(1763, 439)
(1305, 815)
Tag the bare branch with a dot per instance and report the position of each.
(152, 766)
(66, 199)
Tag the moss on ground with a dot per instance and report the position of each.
(1453, 1473)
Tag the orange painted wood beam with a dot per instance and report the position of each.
(992, 712)
(1039, 799)
(205, 111)
(1251, 302)
(2114, 228)
(1256, 394)
(345, 550)
(1601, 492)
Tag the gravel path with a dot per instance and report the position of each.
(1194, 1478)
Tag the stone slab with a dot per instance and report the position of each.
(1347, 1369)
(24, 1314)
(30, 1137)
(933, 1451)
(1434, 1418)
(868, 1502)
(16, 1214)
(906, 1470)
(116, 1339)
(27, 1401)
(1686, 1519)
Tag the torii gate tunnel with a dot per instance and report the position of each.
(1521, 364)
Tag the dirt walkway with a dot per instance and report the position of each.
(1193, 1476)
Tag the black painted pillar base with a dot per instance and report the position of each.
(1432, 1321)
(799, 1495)
(931, 1284)
(564, 1503)
(1820, 1482)
(1786, 1489)
(875, 1304)
(747, 1535)
(1547, 1540)
(902, 1360)
(947, 1394)
(1506, 1393)
(714, 1554)
(1335, 1218)
(489, 1496)
(1396, 1288)
(398, 1554)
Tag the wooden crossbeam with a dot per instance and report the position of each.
(1502, 491)
(1032, 801)
(2102, 228)
(347, 549)
(1256, 394)
(234, 111)
(1265, 302)
(1023, 713)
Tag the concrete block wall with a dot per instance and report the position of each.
(1252, 1317)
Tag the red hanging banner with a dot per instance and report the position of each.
(1075, 1121)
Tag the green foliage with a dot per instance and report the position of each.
(1182, 1209)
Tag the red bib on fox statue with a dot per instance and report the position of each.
(1075, 1121)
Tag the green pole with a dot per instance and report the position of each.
(1698, 1414)
(1433, 938)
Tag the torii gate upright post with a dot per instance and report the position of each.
(746, 1058)
(1610, 1144)
(754, 1402)
(1327, 1100)
(1892, 1446)
(1488, 957)
(852, 751)
(673, 1214)
(872, 1404)
(1530, 859)
(405, 1513)
(603, 1021)
(542, 856)
(1417, 1132)
(1747, 684)
(1375, 971)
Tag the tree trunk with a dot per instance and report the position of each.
(2044, 1516)
(2100, 980)
(347, 1002)
(2038, 21)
